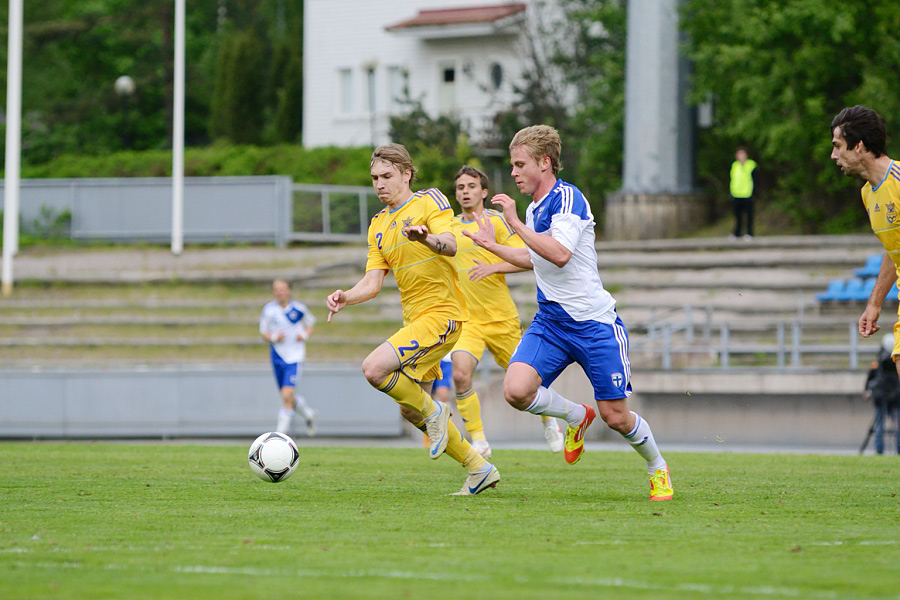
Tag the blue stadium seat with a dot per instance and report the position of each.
(869, 285)
(852, 291)
(871, 268)
(833, 292)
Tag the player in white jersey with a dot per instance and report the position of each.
(576, 319)
(286, 324)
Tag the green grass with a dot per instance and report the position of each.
(107, 520)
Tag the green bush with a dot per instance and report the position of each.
(329, 165)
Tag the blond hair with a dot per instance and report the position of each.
(540, 141)
(397, 155)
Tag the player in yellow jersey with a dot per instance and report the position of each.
(412, 237)
(858, 140)
(493, 318)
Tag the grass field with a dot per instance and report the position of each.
(109, 520)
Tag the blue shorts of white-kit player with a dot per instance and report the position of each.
(446, 379)
(601, 349)
(286, 374)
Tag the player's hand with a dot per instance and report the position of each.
(277, 337)
(480, 271)
(508, 205)
(484, 237)
(416, 233)
(335, 302)
(868, 322)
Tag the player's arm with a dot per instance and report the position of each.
(302, 337)
(482, 270)
(487, 239)
(442, 243)
(543, 245)
(887, 277)
(268, 336)
(365, 289)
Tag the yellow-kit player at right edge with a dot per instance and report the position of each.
(493, 317)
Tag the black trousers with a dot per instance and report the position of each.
(742, 207)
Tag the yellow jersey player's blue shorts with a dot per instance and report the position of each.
(421, 344)
(500, 337)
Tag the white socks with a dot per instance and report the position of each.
(641, 439)
(301, 407)
(284, 420)
(549, 403)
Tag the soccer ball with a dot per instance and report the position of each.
(273, 457)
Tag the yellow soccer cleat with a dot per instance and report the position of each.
(575, 436)
(661, 485)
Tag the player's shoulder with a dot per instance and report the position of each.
(568, 198)
(270, 306)
(434, 195)
(894, 173)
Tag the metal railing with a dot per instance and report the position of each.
(683, 337)
(331, 213)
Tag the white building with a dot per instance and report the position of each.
(457, 59)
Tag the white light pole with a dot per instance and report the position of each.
(178, 135)
(13, 143)
(125, 89)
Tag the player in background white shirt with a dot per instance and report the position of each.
(286, 325)
(576, 319)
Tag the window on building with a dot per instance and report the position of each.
(396, 86)
(345, 91)
(496, 75)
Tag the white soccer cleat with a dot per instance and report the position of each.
(483, 448)
(437, 426)
(477, 482)
(554, 436)
(311, 423)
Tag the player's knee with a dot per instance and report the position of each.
(461, 381)
(616, 420)
(373, 373)
(517, 396)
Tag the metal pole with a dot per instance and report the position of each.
(13, 143)
(178, 134)
(780, 336)
(667, 348)
(795, 344)
(726, 358)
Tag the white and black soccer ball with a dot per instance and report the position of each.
(273, 457)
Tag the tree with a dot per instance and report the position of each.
(778, 71)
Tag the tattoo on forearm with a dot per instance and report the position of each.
(439, 246)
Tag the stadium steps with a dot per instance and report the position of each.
(145, 305)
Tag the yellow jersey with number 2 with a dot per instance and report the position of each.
(427, 281)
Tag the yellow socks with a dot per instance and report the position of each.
(407, 392)
(470, 411)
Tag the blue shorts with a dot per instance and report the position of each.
(600, 349)
(446, 379)
(286, 374)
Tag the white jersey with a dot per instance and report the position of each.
(575, 290)
(291, 320)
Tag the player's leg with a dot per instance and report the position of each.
(502, 339)
(286, 391)
(300, 405)
(482, 474)
(878, 429)
(467, 400)
(534, 366)
(602, 351)
(286, 413)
